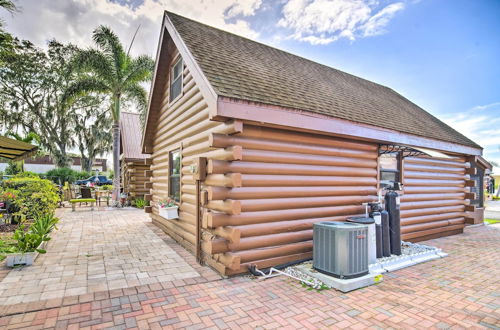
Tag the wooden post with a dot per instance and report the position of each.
(199, 169)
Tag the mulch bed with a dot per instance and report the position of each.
(6, 228)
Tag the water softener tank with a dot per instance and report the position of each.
(376, 215)
(392, 206)
(386, 236)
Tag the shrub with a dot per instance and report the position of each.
(66, 174)
(83, 175)
(44, 225)
(13, 167)
(61, 175)
(26, 174)
(28, 241)
(140, 203)
(34, 197)
(106, 187)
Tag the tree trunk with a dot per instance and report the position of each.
(116, 160)
(60, 157)
(87, 163)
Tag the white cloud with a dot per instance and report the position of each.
(325, 21)
(73, 20)
(484, 129)
(486, 106)
(244, 7)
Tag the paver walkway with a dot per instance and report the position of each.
(492, 210)
(460, 291)
(93, 252)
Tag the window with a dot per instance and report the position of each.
(479, 187)
(389, 169)
(174, 174)
(176, 80)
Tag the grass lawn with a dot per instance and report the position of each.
(491, 221)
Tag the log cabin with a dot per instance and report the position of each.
(133, 163)
(256, 145)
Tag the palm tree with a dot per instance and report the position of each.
(112, 71)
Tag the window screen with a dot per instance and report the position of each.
(174, 174)
(176, 80)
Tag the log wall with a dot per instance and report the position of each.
(266, 187)
(134, 176)
(183, 124)
(435, 197)
(261, 206)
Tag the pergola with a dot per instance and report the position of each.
(15, 150)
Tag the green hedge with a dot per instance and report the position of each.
(65, 174)
(34, 197)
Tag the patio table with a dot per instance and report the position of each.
(102, 194)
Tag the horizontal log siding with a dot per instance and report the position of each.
(184, 124)
(262, 206)
(133, 178)
(433, 203)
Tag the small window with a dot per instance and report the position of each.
(174, 175)
(389, 169)
(176, 80)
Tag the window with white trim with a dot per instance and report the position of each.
(174, 174)
(176, 80)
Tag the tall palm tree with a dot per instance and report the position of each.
(112, 71)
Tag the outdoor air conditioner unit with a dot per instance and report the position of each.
(340, 249)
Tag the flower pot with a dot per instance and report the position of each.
(27, 259)
(169, 212)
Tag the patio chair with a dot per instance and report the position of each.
(85, 192)
(85, 197)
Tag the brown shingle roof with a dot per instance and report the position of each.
(131, 133)
(240, 68)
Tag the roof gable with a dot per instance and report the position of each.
(239, 68)
(130, 129)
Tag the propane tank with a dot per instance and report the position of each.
(392, 206)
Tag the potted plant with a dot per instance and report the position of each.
(123, 199)
(168, 209)
(28, 247)
(31, 243)
(6, 199)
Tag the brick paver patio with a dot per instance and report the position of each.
(97, 251)
(460, 291)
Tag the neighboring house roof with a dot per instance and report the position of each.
(131, 133)
(242, 69)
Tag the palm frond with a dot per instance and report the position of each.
(139, 70)
(8, 5)
(109, 43)
(137, 94)
(83, 86)
(96, 61)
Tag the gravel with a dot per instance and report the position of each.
(407, 249)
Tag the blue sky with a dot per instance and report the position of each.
(442, 55)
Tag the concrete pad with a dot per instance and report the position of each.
(344, 285)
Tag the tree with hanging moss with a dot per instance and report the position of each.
(32, 85)
(92, 130)
(111, 70)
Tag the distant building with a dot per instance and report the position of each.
(43, 164)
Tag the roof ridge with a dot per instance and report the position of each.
(241, 68)
(278, 49)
